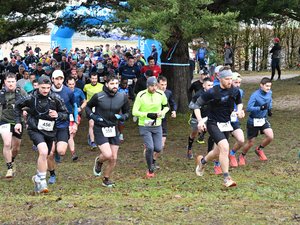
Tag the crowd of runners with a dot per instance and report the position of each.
(48, 95)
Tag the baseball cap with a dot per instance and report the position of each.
(44, 80)
(276, 40)
(57, 73)
(236, 76)
(217, 69)
(151, 81)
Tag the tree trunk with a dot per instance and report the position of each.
(177, 75)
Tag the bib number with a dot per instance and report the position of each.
(46, 125)
(233, 117)
(148, 123)
(130, 81)
(5, 128)
(259, 122)
(109, 131)
(225, 127)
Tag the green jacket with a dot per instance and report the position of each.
(146, 102)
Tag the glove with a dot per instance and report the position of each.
(96, 118)
(152, 116)
(121, 117)
(264, 106)
(270, 112)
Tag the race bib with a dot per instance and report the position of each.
(109, 131)
(259, 122)
(5, 128)
(46, 125)
(71, 117)
(224, 127)
(148, 122)
(130, 81)
(101, 79)
(233, 117)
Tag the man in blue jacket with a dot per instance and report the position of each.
(259, 107)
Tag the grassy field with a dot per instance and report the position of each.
(267, 193)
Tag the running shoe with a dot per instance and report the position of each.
(14, 168)
(200, 167)
(93, 146)
(189, 154)
(40, 185)
(57, 157)
(34, 148)
(201, 138)
(108, 183)
(52, 179)
(242, 160)
(150, 174)
(9, 173)
(97, 167)
(217, 169)
(228, 182)
(261, 154)
(232, 161)
(74, 157)
(121, 137)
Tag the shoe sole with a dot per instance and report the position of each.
(232, 185)
(109, 186)
(94, 169)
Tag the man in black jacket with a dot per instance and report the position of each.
(275, 63)
(108, 103)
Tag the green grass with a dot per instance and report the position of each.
(267, 193)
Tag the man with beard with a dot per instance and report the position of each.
(108, 103)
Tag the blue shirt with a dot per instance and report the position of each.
(257, 99)
(78, 96)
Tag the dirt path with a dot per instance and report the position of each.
(256, 79)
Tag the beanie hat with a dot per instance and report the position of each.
(151, 81)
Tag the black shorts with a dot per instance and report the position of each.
(235, 125)
(164, 127)
(38, 138)
(100, 139)
(62, 134)
(252, 131)
(215, 132)
(12, 130)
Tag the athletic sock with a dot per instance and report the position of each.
(42, 175)
(154, 160)
(106, 179)
(13, 159)
(190, 143)
(52, 173)
(244, 154)
(203, 161)
(9, 165)
(217, 163)
(232, 152)
(225, 175)
(260, 147)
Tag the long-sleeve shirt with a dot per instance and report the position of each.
(257, 99)
(146, 102)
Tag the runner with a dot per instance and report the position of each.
(80, 101)
(259, 107)
(9, 95)
(108, 104)
(221, 101)
(207, 84)
(151, 106)
(237, 132)
(90, 89)
(44, 108)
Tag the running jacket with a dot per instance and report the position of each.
(146, 102)
(107, 104)
(220, 102)
(257, 99)
(38, 108)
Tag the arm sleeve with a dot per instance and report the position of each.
(91, 103)
(251, 103)
(172, 103)
(164, 103)
(21, 103)
(125, 107)
(136, 108)
(62, 110)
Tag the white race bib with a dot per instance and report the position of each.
(101, 79)
(148, 123)
(130, 81)
(5, 128)
(224, 127)
(46, 125)
(233, 117)
(259, 122)
(71, 118)
(109, 131)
